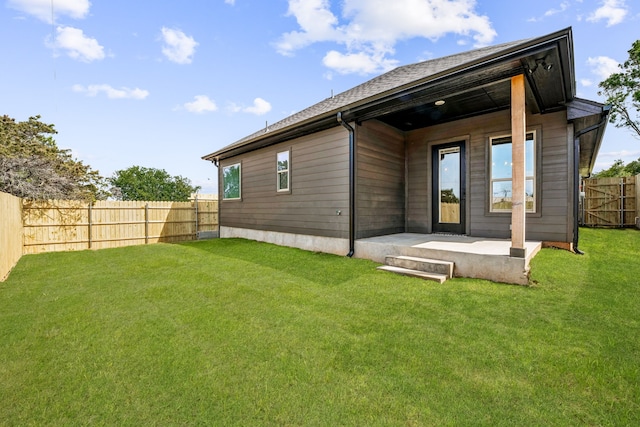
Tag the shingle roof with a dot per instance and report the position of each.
(387, 82)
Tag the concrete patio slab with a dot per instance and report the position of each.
(474, 257)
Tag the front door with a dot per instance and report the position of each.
(449, 188)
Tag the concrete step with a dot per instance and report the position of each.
(421, 264)
(436, 277)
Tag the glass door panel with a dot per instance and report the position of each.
(449, 188)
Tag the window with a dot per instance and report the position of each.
(501, 180)
(231, 181)
(282, 171)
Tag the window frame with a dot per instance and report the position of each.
(536, 135)
(239, 166)
(287, 171)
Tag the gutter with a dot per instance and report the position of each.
(604, 116)
(352, 193)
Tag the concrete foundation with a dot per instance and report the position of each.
(301, 241)
(479, 258)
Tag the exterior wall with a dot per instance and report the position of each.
(393, 181)
(318, 203)
(553, 219)
(380, 180)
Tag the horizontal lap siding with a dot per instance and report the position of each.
(380, 206)
(319, 174)
(320, 181)
(555, 221)
(552, 222)
(418, 183)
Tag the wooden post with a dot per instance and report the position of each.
(89, 212)
(636, 181)
(146, 223)
(196, 211)
(622, 202)
(518, 197)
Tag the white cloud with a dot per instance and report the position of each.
(178, 47)
(259, 107)
(316, 21)
(231, 2)
(603, 66)
(201, 104)
(613, 11)
(361, 62)
(232, 107)
(43, 9)
(112, 93)
(586, 82)
(76, 44)
(563, 6)
(371, 28)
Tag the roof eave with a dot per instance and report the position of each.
(350, 111)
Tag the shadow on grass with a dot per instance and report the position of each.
(321, 268)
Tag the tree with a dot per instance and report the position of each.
(33, 167)
(619, 169)
(623, 91)
(140, 183)
(448, 196)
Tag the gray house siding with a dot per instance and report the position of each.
(319, 174)
(393, 181)
(551, 222)
(380, 180)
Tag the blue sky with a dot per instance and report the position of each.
(162, 83)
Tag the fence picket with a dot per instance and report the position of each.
(58, 225)
(611, 202)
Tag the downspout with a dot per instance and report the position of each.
(352, 193)
(576, 172)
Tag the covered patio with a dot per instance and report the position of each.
(475, 257)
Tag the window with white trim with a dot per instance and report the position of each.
(231, 182)
(501, 181)
(282, 171)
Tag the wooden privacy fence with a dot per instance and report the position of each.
(10, 233)
(611, 202)
(62, 225)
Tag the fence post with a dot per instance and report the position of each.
(196, 209)
(146, 223)
(622, 190)
(636, 181)
(90, 223)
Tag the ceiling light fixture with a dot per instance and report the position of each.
(440, 102)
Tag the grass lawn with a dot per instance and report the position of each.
(233, 332)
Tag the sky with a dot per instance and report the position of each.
(160, 84)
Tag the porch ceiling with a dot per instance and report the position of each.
(481, 92)
(474, 102)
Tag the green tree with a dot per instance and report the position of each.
(623, 92)
(150, 184)
(619, 169)
(448, 196)
(33, 167)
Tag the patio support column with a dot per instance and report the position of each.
(518, 197)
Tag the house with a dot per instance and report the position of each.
(486, 144)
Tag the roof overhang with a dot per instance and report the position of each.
(589, 120)
(472, 88)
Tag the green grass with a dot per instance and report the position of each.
(233, 332)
